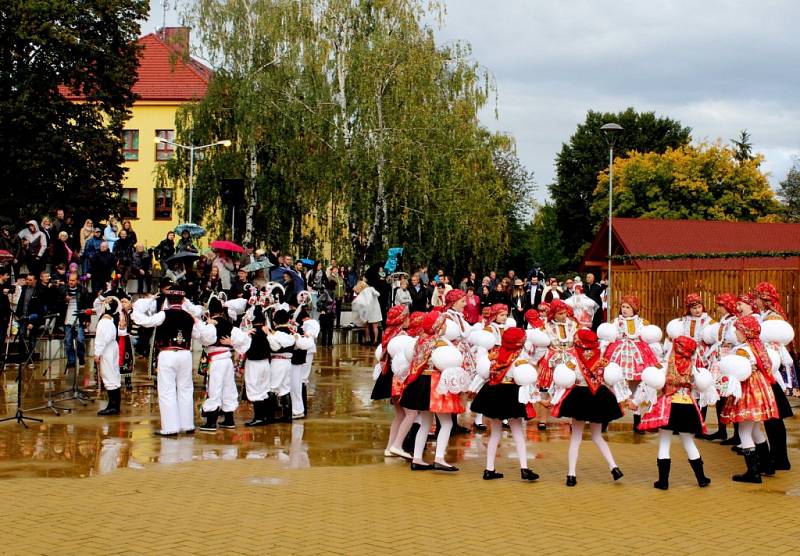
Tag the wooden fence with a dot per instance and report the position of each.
(661, 292)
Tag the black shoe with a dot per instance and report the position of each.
(458, 429)
(697, 467)
(211, 421)
(527, 474)
(227, 422)
(166, 435)
(572, 480)
(782, 466)
(737, 450)
(752, 475)
(489, 475)
(189, 432)
(663, 473)
(114, 400)
(765, 465)
(258, 419)
(616, 473)
(479, 427)
(444, 467)
(421, 466)
(732, 441)
(721, 434)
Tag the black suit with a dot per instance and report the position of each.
(419, 299)
(594, 293)
(537, 295)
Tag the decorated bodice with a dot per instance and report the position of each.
(693, 326)
(561, 334)
(630, 327)
(461, 323)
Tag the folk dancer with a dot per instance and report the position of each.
(106, 354)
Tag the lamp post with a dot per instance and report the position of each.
(610, 131)
(192, 149)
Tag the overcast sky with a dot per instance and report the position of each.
(717, 66)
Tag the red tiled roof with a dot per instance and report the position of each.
(163, 75)
(660, 237)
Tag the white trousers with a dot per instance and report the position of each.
(280, 371)
(175, 391)
(109, 366)
(221, 391)
(307, 367)
(256, 379)
(296, 389)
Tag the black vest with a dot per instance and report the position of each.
(289, 349)
(224, 329)
(259, 346)
(176, 330)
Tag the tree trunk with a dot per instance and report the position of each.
(251, 199)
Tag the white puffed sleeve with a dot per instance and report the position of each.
(105, 335)
(195, 310)
(238, 306)
(304, 343)
(205, 333)
(280, 340)
(311, 328)
(97, 305)
(143, 313)
(240, 340)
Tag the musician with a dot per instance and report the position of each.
(176, 324)
(220, 339)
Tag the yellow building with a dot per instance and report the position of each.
(165, 82)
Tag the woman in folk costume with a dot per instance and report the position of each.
(633, 343)
(106, 354)
(582, 306)
(777, 334)
(561, 330)
(396, 321)
(494, 322)
(675, 409)
(752, 400)
(589, 400)
(508, 372)
(400, 369)
(719, 337)
(457, 331)
(422, 393)
(691, 324)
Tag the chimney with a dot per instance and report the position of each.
(176, 37)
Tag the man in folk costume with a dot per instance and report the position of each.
(498, 399)
(722, 346)
(397, 320)
(220, 338)
(281, 342)
(676, 411)
(421, 395)
(768, 302)
(175, 326)
(106, 354)
(755, 402)
(561, 329)
(589, 400)
(257, 370)
(303, 343)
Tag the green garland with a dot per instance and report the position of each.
(730, 255)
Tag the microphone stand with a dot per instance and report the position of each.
(75, 393)
(50, 322)
(20, 416)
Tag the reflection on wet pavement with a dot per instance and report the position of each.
(344, 426)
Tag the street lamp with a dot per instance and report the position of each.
(192, 149)
(610, 131)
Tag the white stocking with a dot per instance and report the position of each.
(688, 445)
(426, 418)
(494, 442)
(602, 445)
(664, 440)
(746, 434)
(399, 418)
(408, 420)
(574, 446)
(445, 426)
(758, 434)
(519, 442)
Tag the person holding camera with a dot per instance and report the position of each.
(76, 305)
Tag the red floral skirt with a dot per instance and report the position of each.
(444, 403)
(756, 404)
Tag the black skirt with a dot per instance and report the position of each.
(417, 395)
(582, 405)
(500, 401)
(383, 386)
(784, 409)
(684, 417)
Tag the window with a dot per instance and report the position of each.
(131, 197)
(130, 144)
(163, 150)
(163, 204)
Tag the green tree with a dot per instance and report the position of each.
(586, 154)
(55, 152)
(789, 193)
(703, 182)
(743, 146)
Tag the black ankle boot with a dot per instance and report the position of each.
(270, 409)
(636, 420)
(733, 440)
(776, 435)
(114, 401)
(408, 441)
(304, 397)
(258, 414)
(227, 422)
(285, 409)
(697, 467)
(765, 464)
(489, 475)
(211, 421)
(663, 473)
(752, 475)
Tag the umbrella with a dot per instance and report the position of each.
(224, 245)
(183, 256)
(5, 256)
(391, 263)
(194, 229)
(263, 264)
(307, 262)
